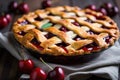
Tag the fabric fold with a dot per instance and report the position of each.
(105, 65)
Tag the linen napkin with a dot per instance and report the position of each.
(105, 65)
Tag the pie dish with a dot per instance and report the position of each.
(65, 31)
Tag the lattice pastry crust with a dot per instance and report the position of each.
(65, 30)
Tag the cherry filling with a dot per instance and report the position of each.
(49, 35)
(24, 22)
(77, 38)
(63, 45)
(50, 14)
(22, 33)
(89, 20)
(38, 18)
(76, 24)
(90, 32)
(100, 17)
(91, 47)
(63, 29)
(107, 39)
(36, 43)
(104, 27)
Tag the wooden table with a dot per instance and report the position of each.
(8, 63)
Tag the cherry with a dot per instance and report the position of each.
(77, 38)
(8, 17)
(90, 32)
(3, 22)
(46, 3)
(92, 7)
(38, 74)
(22, 33)
(13, 6)
(107, 6)
(103, 11)
(76, 23)
(26, 66)
(23, 8)
(63, 29)
(56, 74)
(114, 10)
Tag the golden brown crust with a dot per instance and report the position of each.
(64, 16)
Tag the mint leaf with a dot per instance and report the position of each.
(46, 25)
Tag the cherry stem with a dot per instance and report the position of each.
(46, 63)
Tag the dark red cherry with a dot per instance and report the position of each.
(46, 3)
(103, 11)
(13, 6)
(38, 74)
(76, 23)
(8, 17)
(3, 22)
(107, 6)
(114, 10)
(107, 39)
(22, 33)
(23, 8)
(26, 66)
(56, 74)
(87, 49)
(63, 29)
(77, 38)
(36, 43)
(90, 32)
(92, 7)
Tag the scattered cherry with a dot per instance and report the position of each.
(8, 17)
(23, 8)
(46, 3)
(103, 11)
(92, 7)
(3, 22)
(114, 10)
(56, 74)
(13, 6)
(38, 74)
(107, 6)
(26, 66)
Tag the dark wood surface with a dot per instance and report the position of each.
(8, 63)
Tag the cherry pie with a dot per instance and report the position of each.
(66, 31)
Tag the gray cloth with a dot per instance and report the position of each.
(105, 65)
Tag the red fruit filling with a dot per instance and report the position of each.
(50, 14)
(76, 24)
(90, 32)
(63, 29)
(91, 47)
(100, 17)
(104, 27)
(49, 35)
(107, 39)
(24, 22)
(36, 43)
(38, 18)
(89, 20)
(77, 38)
(63, 45)
(22, 33)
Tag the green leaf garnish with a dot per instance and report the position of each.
(46, 25)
